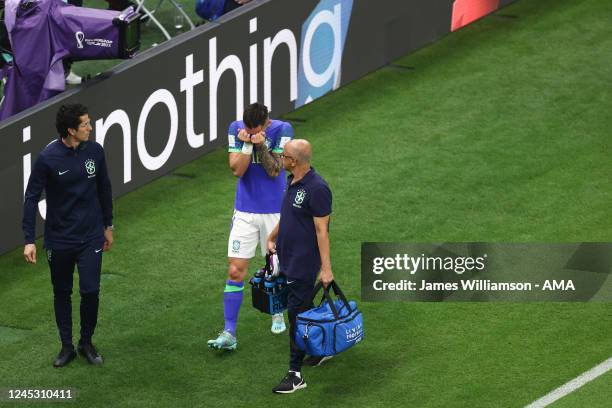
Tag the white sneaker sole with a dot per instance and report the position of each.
(215, 346)
(299, 387)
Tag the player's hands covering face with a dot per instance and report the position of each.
(258, 138)
(244, 136)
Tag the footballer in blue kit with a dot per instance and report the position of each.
(254, 145)
(256, 191)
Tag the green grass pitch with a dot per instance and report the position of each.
(500, 133)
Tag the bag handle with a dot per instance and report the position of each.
(327, 296)
(268, 267)
(315, 290)
(340, 295)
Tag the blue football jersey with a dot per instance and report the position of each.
(257, 192)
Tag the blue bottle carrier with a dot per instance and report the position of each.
(270, 303)
(270, 300)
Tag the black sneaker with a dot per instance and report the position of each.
(313, 361)
(88, 351)
(292, 382)
(65, 356)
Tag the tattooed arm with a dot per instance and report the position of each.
(270, 161)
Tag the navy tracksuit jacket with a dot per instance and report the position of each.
(78, 192)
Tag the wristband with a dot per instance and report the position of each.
(247, 148)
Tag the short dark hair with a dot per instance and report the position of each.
(68, 117)
(256, 114)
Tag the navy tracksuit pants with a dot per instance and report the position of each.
(298, 301)
(88, 260)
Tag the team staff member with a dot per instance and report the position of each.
(78, 226)
(301, 240)
(255, 144)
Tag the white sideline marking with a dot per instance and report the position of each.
(572, 385)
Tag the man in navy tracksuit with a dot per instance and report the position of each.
(78, 226)
(301, 240)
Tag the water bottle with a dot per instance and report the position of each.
(280, 283)
(270, 284)
(258, 278)
(178, 18)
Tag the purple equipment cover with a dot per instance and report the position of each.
(41, 37)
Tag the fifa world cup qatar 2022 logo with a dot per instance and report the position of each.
(80, 37)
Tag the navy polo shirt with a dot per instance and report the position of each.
(78, 194)
(296, 245)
